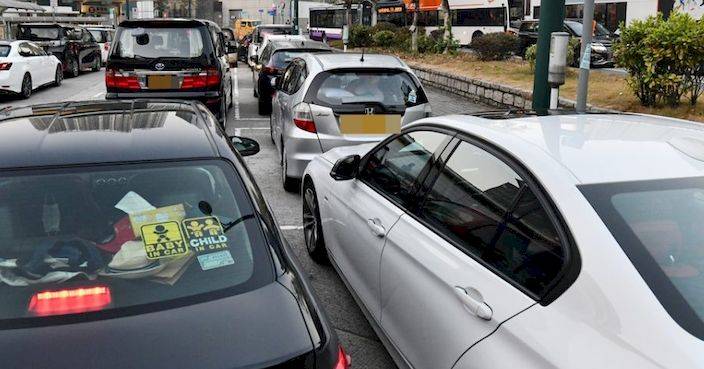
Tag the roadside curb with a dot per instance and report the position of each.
(487, 92)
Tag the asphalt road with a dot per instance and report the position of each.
(356, 335)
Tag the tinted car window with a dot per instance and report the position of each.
(4, 50)
(658, 225)
(36, 50)
(397, 168)
(184, 42)
(100, 36)
(115, 238)
(39, 33)
(262, 31)
(391, 89)
(281, 58)
(487, 209)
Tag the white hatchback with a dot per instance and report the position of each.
(25, 66)
(570, 241)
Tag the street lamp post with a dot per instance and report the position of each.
(552, 19)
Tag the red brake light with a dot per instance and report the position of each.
(69, 301)
(303, 118)
(343, 361)
(116, 79)
(5, 66)
(208, 78)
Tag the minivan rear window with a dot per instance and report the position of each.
(111, 239)
(392, 90)
(186, 42)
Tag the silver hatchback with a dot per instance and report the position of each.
(323, 101)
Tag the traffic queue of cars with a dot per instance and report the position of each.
(488, 241)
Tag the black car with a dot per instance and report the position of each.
(602, 41)
(170, 58)
(74, 46)
(275, 57)
(134, 236)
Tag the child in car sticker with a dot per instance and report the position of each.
(163, 240)
(207, 238)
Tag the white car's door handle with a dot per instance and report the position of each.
(474, 301)
(376, 227)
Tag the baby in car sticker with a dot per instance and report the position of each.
(203, 235)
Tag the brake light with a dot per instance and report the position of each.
(70, 301)
(343, 361)
(116, 79)
(5, 66)
(207, 78)
(303, 117)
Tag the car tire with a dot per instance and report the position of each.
(289, 183)
(312, 226)
(73, 68)
(59, 76)
(264, 106)
(222, 116)
(26, 89)
(271, 128)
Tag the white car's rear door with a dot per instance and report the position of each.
(477, 250)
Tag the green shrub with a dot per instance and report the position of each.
(664, 58)
(360, 36)
(530, 55)
(426, 44)
(337, 44)
(494, 46)
(383, 26)
(402, 36)
(384, 38)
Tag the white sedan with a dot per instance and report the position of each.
(25, 66)
(535, 242)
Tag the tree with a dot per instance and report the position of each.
(447, 25)
(414, 27)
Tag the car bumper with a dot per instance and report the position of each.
(10, 82)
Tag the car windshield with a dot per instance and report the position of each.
(273, 31)
(114, 238)
(599, 30)
(99, 35)
(39, 33)
(658, 224)
(386, 88)
(4, 50)
(159, 43)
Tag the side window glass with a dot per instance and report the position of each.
(87, 36)
(24, 50)
(490, 212)
(286, 77)
(397, 168)
(290, 87)
(300, 76)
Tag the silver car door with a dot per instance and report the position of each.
(370, 205)
(478, 250)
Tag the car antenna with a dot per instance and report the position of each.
(362, 58)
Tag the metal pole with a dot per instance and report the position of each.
(127, 9)
(552, 18)
(585, 59)
(295, 18)
(190, 8)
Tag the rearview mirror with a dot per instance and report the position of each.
(345, 168)
(245, 146)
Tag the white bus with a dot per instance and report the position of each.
(472, 18)
(326, 23)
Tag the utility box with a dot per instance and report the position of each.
(557, 65)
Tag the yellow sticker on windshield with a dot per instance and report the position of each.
(205, 234)
(163, 240)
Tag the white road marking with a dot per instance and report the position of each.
(290, 228)
(98, 94)
(237, 96)
(257, 128)
(238, 132)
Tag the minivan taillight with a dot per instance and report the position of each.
(117, 79)
(5, 66)
(303, 117)
(343, 361)
(207, 78)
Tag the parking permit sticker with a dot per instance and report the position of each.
(215, 260)
(412, 97)
(163, 240)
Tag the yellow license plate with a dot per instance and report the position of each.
(362, 124)
(160, 82)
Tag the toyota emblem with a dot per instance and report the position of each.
(159, 66)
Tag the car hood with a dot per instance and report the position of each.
(257, 329)
(335, 154)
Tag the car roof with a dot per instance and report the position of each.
(165, 22)
(598, 148)
(354, 60)
(103, 131)
(298, 44)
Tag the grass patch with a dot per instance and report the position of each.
(606, 90)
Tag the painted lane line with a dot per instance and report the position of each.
(290, 228)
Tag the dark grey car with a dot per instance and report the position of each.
(135, 237)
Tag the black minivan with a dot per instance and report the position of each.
(170, 58)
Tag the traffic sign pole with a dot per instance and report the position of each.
(552, 19)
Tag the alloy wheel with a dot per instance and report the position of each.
(310, 220)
